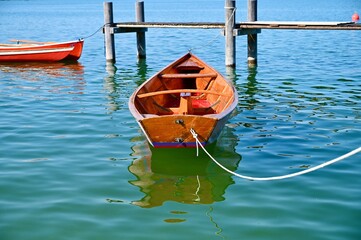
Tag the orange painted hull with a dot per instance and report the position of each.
(41, 51)
(187, 94)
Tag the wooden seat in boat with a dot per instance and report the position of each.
(189, 75)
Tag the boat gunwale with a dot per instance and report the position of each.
(38, 51)
(38, 45)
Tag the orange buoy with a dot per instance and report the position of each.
(355, 17)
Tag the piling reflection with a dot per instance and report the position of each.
(231, 74)
(179, 175)
(111, 70)
(111, 87)
(118, 82)
(251, 88)
(142, 70)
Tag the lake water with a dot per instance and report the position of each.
(75, 165)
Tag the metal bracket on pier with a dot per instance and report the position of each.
(127, 30)
(245, 31)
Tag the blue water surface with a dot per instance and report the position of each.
(75, 165)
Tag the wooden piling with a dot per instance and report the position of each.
(108, 34)
(230, 39)
(141, 47)
(252, 38)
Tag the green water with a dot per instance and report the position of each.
(75, 165)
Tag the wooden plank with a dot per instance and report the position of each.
(299, 25)
(120, 27)
(205, 25)
(165, 129)
(189, 75)
(189, 65)
(150, 94)
(306, 23)
(185, 105)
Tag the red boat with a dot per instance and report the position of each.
(24, 50)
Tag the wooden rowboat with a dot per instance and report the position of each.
(24, 50)
(187, 94)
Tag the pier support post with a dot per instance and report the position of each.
(230, 39)
(108, 34)
(139, 9)
(252, 38)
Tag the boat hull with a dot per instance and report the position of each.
(186, 95)
(50, 55)
(41, 51)
(174, 131)
(75, 54)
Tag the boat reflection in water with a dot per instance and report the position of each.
(179, 175)
(34, 71)
(55, 77)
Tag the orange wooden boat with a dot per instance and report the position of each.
(24, 50)
(187, 94)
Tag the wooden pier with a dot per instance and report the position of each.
(230, 29)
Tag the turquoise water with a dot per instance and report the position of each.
(75, 165)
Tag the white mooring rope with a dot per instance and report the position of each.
(349, 154)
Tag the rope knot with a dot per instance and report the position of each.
(195, 135)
